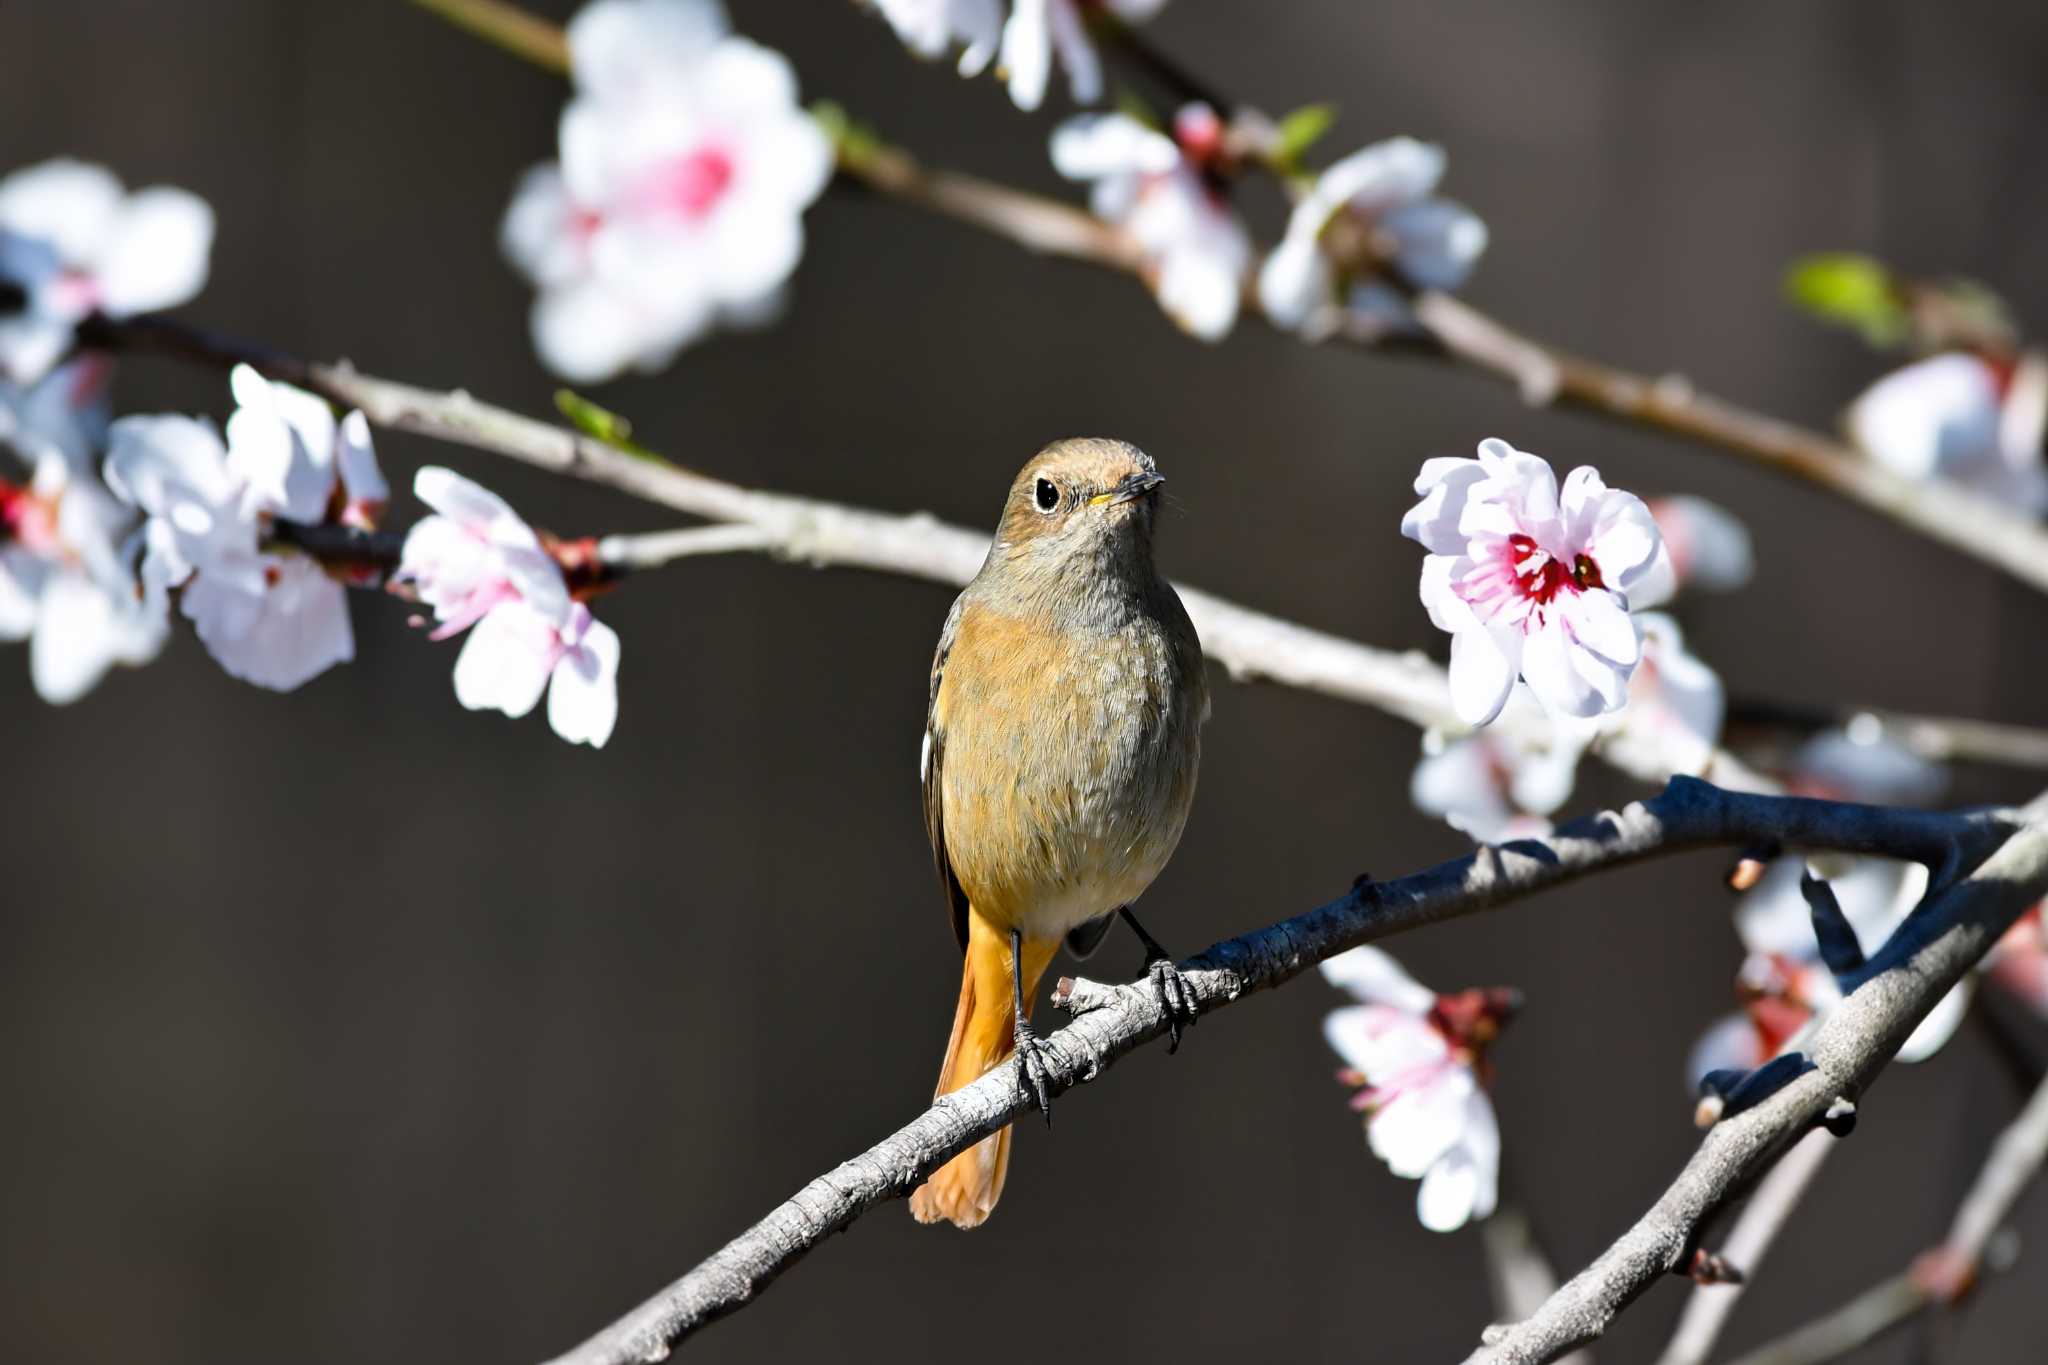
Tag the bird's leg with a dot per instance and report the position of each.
(1176, 997)
(1031, 1063)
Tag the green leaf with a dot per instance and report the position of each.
(1300, 130)
(1131, 104)
(602, 424)
(852, 140)
(1852, 291)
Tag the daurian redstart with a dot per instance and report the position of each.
(1060, 749)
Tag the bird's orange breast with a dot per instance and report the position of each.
(1070, 762)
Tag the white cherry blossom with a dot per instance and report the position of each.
(1787, 988)
(481, 568)
(1383, 194)
(1039, 30)
(1197, 250)
(1957, 416)
(1531, 582)
(686, 165)
(1704, 546)
(269, 616)
(67, 586)
(1496, 786)
(72, 243)
(932, 28)
(1418, 1059)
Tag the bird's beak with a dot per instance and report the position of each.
(1135, 486)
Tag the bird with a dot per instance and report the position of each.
(1062, 740)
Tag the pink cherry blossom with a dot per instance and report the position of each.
(268, 615)
(2019, 962)
(1783, 984)
(1387, 192)
(481, 568)
(1418, 1059)
(1196, 249)
(686, 165)
(1957, 416)
(67, 585)
(1529, 582)
(75, 244)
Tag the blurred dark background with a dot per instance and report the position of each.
(347, 1025)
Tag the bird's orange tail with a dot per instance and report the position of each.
(964, 1191)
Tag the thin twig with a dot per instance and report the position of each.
(1938, 739)
(1944, 937)
(2011, 857)
(1944, 1274)
(525, 35)
(1767, 1211)
(1942, 511)
(1250, 645)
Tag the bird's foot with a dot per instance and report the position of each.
(1176, 997)
(1034, 1070)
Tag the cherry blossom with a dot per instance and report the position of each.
(67, 583)
(1418, 1059)
(481, 568)
(1037, 30)
(686, 165)
(1783, 984)
(268, 615)
(1158, 187)
(1704, 546)
(1859, 763)
(1496, 786)
(2019, 962)
(1529, 582)
(1958, 416)
(1375, 202)
(72, 244)
(932, 28)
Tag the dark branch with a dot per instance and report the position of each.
(1113, 1020)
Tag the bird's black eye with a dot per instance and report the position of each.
(1048, 495)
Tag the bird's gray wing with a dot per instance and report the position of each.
(931, 767)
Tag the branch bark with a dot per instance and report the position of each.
(1942, 511)
(1958, 922)
(1110, 1021)
(1250, 645)
(1709, 1306)
(1944, 1274)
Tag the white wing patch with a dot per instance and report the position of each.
(924, 758)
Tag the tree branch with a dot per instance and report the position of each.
(1709, 1307)
(1945, 936)
(1113, 1020)
(1250, 645)
(1944, 1274)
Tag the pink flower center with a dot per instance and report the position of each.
(472, 608)
(690, 186)
(29, 519)
(74, 293)
(1540, 575)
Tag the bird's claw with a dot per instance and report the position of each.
(1034, 1072)
(1176, 998)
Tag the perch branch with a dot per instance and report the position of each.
(1944, 1274)
(1945, 936)
(2010, 855)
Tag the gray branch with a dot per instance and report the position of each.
(1958, 922)
(1251, 645)
(1947, 1272)
(1110, 1021)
